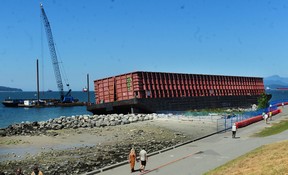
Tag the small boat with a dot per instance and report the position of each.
(84, 89)
(49, 90)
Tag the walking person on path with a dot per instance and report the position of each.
(270, 115)
(234, 129)
(143, 159)
(132, 159)
(266, 118)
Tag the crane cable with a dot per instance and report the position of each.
(62, 69)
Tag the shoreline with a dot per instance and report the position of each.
(96, 147)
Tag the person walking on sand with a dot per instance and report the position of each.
(132, 159)
(234, 129)
(143, 160)
(36, 171)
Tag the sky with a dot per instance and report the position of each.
(105, 38)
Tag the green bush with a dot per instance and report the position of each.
(263, 101)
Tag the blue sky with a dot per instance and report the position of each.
(109, 37)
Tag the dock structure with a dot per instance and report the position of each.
(148, 92)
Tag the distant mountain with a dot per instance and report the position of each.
(275, 81)
(7, 89)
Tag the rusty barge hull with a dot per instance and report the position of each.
(146, 92)
(171, 104)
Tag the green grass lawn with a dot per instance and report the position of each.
(274, 129)
(267, 159)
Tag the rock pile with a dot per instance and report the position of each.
(79, 121)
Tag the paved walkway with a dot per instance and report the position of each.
(203, 155)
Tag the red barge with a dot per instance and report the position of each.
(148, 92)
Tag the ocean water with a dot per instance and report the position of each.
(278, 96)
(10, 116)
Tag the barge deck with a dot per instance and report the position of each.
(28, 103)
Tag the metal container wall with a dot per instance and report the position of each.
(166, 85)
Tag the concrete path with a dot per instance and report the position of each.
(203, 155)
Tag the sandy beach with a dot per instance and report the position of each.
(74, 151)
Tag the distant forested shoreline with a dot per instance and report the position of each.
(7, 89)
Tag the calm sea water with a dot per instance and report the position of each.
(278, 96)
(16, 115)
(10, 116)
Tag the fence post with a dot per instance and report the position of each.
(225, 123)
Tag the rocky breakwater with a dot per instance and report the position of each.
(121, 132)
(79, 121)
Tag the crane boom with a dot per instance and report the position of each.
(52, 53)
